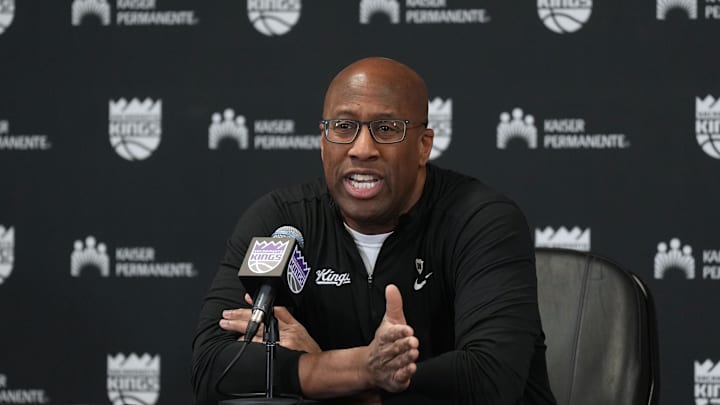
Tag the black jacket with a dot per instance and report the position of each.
(464, 262)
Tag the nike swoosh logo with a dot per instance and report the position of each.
(419, 285)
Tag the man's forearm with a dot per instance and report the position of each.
(334, 373)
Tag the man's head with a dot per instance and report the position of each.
(374, 183)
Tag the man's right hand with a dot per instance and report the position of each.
(393, 351)
(386, 364)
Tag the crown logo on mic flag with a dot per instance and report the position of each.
(298, 271)
(266, 256)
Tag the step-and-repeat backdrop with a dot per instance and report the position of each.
(133, 133)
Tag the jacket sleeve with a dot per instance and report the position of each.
(497, 328)
(213, 347)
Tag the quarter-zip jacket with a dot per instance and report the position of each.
(463, 261)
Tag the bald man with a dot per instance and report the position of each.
(423, 287)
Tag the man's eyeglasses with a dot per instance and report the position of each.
(382, 131)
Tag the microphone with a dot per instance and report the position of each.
(276, 269)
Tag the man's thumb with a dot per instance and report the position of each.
(393, 305)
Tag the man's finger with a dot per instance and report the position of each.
(393, 305)
(283, 315)
(391, 333)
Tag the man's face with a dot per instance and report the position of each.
(374, 183)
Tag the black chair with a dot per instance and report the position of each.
(601, 336)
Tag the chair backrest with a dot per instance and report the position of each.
(601, 336)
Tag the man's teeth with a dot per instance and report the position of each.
(363, 180)
(362, 177)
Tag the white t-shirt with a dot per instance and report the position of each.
(369, 247)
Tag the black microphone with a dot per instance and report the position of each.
(276, 269)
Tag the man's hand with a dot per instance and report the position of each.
(393, 351)
(293, 334)
(362, 373)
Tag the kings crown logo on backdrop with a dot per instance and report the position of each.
(7, 14)
(135, 127)
(7, 255)
(564, 16)
(707, 125)
(274, 17)
(707, 382)
(575, 238)
(133, 380)
(440, 120)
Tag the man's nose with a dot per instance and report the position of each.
(364, 146)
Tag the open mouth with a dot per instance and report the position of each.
(363, 181)
(362, 185)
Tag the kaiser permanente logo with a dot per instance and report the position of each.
(518, 128)
(231, 131)
(7, 253)
(90, 255)
(707, 382)
(135, 127)
(564, 16)
(419, 12)
(667, 9)
(132, 379)
(7, 13)
(440, 120)
(22, 142)
(273, 17)
(10, 395)
(129, 13)
(707, 125)
(677, 258)
(575, 238)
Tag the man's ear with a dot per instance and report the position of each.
(426, 143)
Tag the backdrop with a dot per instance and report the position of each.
(133, 133)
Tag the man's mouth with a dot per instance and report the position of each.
(363, 181)
(363, 185)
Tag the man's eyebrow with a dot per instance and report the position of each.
(343, 112)
(352, 113)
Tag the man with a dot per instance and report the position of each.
(423, 285)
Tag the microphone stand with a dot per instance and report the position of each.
(271, 336)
